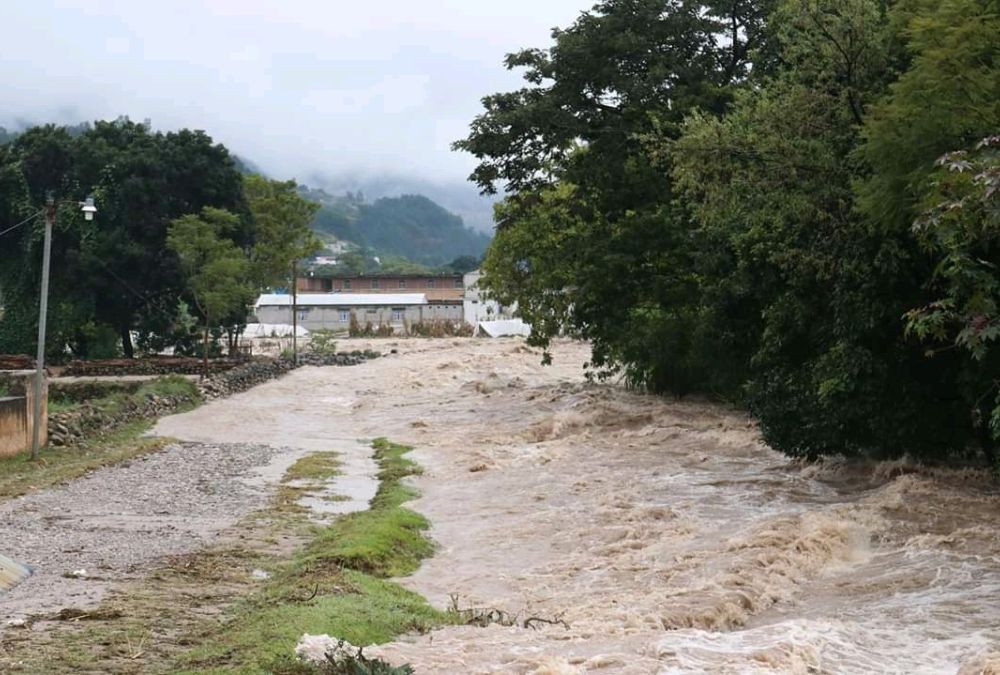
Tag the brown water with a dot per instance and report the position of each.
(666, 535)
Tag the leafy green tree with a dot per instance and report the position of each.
(217, 272)
(111, 270)
(569, 150)
(463, 264)
(699, 225)
(281, 218)
(961, 229)
(948, 98)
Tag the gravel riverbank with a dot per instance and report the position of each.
(113, 523)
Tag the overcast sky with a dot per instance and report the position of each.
(295, 86)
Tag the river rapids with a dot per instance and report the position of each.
(664, 534)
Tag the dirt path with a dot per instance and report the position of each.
(116, 523)
(663, 533)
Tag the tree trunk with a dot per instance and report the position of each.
(986, 441)
(204, 355)
(127, 350)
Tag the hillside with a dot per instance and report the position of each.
(411, 226)
(459, 197)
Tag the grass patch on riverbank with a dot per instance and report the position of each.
(212, 611)
(20, 475)
(337, 584)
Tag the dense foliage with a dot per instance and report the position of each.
(721, 196)
(116, 276)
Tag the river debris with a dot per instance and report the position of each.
(487, 616)
(339, 657)
(12, 573)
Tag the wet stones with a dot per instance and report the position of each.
(72, 426)
(251, 374)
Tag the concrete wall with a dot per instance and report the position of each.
(17, 410)
(338, 318)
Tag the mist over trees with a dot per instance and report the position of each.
(747, 199)
(409, 226)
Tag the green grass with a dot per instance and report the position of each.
(168, 385)
(317, 466)
(58, 405)
(337, 584)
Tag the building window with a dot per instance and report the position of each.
(402, 283)
(430, 283)
(345, 316)
(397, 313)
(458, 283)
(375, 283)
(347, 283)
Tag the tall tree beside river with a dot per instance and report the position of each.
(719, 196)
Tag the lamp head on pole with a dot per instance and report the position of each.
(88, 208)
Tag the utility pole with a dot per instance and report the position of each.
(295, 312)
(50, 220)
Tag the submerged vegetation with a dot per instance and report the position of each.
(748, 199)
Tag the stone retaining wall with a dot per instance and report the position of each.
(154, 365)
(251, 374)
(72, 426)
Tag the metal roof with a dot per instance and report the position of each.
(343, 299)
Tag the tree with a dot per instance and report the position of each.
(216, 270)
(961, 229)
(281, 218)
(112, 270)
(463, 264)
(569, 150)
(745, 231)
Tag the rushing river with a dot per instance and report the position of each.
(664, 534)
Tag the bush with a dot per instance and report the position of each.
(322, 342)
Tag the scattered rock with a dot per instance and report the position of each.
(314, 648)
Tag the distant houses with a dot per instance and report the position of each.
(331, 302)
(334, 311)
(434, 286)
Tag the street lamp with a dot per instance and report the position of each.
(89, 210)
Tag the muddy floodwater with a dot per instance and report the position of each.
(663, 533)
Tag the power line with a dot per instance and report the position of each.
(26, 220)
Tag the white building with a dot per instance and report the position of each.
(474, 307)
(487, 316)
(332, 311)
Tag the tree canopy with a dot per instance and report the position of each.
(721, 197)
(140, 266)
